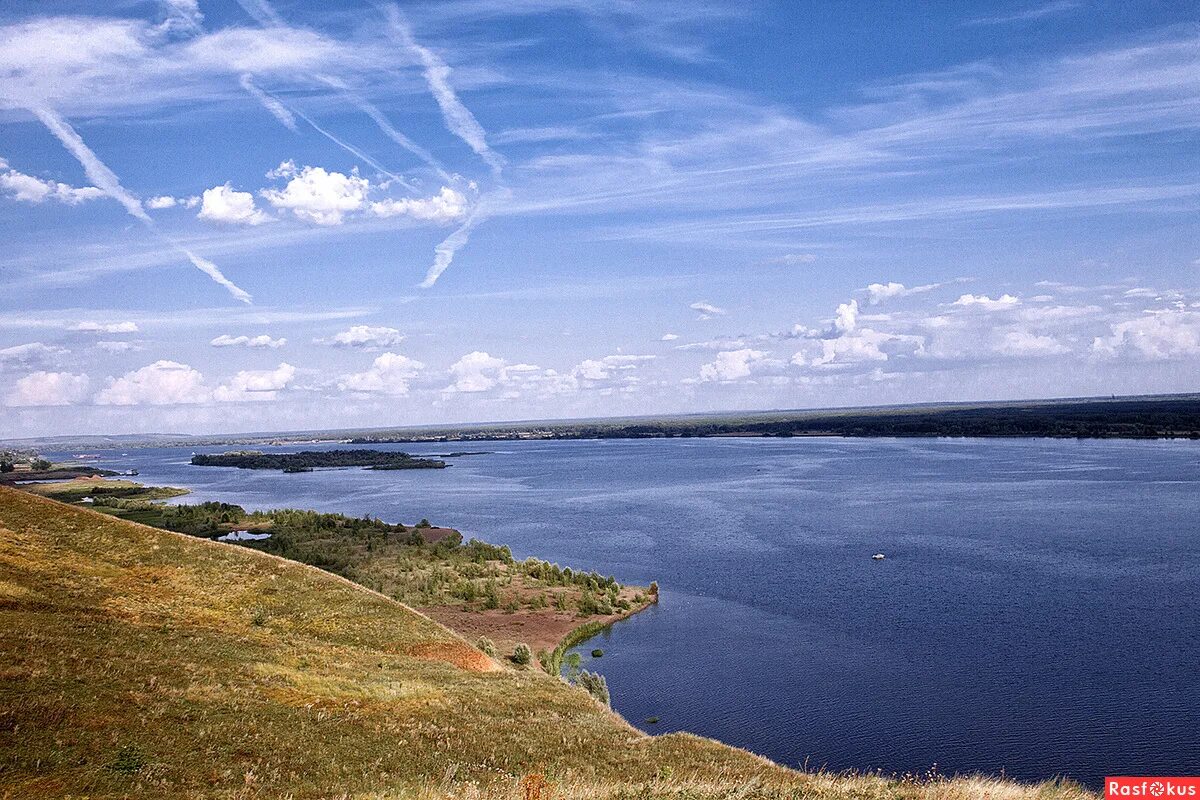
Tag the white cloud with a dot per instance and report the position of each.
(477, 372)
(707, 310)
(367, 337)
(225, 205)
(106, 327)
(983, 301)
(600, 369)
(317, 195)
(669, 337)
(158, 384)
(225, 340)
(459, 120)
(447, 205)
(31, 353)
(162, 201)
(846, 317)
(48, 389)
(862, 345)
(793, 259)
(255, 384)
(730, 365)
(878, 292)
(117, 347)
(28, 189)
(389, 374)
(1019, 343)
(1157, 336)
(182, 16)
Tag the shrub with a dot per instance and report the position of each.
(595, 685)
(522, 655)
(487, 646)
(597, 653)
(129, 761)
(573, 663)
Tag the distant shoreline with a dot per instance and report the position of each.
(1145, 417)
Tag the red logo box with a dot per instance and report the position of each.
(1124, 787)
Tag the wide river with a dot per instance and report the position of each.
(1038, 612)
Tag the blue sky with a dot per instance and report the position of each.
(233, 215)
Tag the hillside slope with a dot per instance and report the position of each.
(137, 662)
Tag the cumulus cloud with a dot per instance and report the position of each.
(477, 372)
(225, 205)
(862, 345)
(447, 205)
(158, 384)
(161, 201)
(731, 365)
(1157, 336)
(1023, 343)
(986, 303)
(31, 353)
(255, 385)
(48, 389)
(28, 189)
(225, 340)
(669, 337)
(109, 346)
(601, 369)
(707, 310)
(389, 374)
(845, 317)
(106, 327)
(367, 337)
(317, 195)
(878, 292)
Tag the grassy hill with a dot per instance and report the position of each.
(136, 662)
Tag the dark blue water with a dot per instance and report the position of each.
(1037, 613)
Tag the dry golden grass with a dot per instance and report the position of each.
(142, 663)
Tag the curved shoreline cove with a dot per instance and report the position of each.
(1034, 616)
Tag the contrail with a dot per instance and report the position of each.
(262, 12)
(352, 150)
(459, 119)
(443, 254)
(272, 104)
(287, 116)
(107, 181)
(266, 15)
(96, 170)
(385, 125)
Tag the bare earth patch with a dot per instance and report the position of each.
(541, 630)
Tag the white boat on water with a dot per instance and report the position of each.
(878, 557)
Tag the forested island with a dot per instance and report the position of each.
(307, 460)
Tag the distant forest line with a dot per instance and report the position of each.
(1145, 417)
(1110, 419)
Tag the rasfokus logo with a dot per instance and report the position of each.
(1151, 788)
